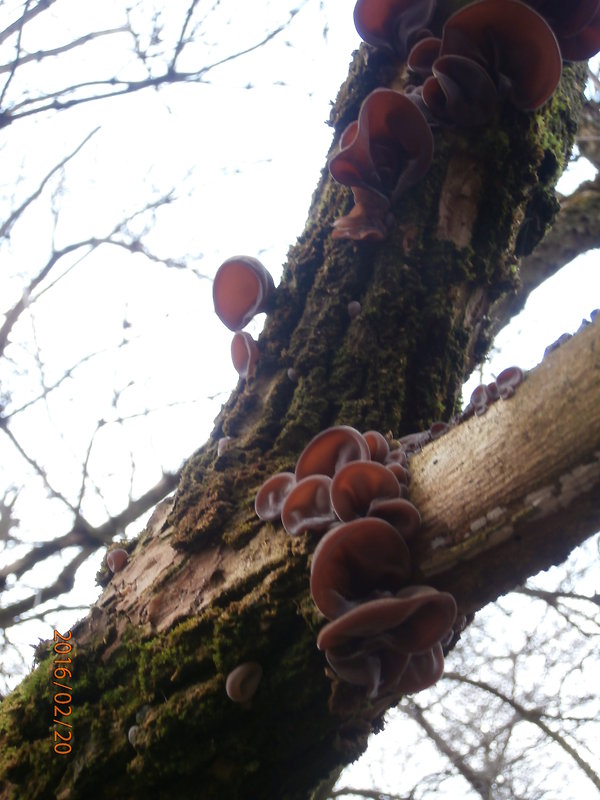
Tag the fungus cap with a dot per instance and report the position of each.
(367, 219)
(244, 354)
(576, 24)
(493, 392)
(392, 24)
(460, 91)
(224, 444)
(378, 667)
(242, 288)
(422, 56)
(396, 456)
(272, 495)
(402, 476)
(242, 682)
(389, 147)
(399, 512)
(354, 309)
(480, 399)
(358, 484)
(308, 506)
(513, 42)
(422, 671)
(116, 559)
(508, 380)
(329, 450)
(582, 45)
(414, 442)
(566, 19)
(415, 619)
(438, 429)
(355, 562)
(378, 445)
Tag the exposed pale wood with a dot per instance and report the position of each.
(526, 474)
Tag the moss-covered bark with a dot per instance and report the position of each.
(214, 586)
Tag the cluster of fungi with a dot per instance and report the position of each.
(384, 633)
(352, 488)
(489, 51)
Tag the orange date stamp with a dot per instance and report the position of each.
(63, 697)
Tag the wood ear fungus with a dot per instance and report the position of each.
(244, 354)
(382, 634)
(272, 495)
(307, 507)
(355, 562)
(116, 559)
(357, 485)
(242, 288)
(393, 24)
(508, 380)
(242, 682)
(329, 450)
(387, 150)
(380, 637)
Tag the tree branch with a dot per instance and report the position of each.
(81, 534)
(114, 87)
(575, 231)
(26, 17)
(64, 583)
(134, 245)
(40, 55)
(533, 716)
(502, 489)
(553, 597)
(477, 780)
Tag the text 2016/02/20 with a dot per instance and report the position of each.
(62, 699)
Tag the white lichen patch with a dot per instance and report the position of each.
(580, 480)
(495, 514)
(438, 542)
(543, 500)
(478, 524)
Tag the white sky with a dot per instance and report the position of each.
(244, 164)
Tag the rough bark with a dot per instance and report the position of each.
(211, 586)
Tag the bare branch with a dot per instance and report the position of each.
(82, 533)
(533, 716)
(114, 87)
(478, 781)
(40, 55)
(27, 16)
(12, 71)
(64, 583)
(181, 42)
(89, 245)
(37, 468)
(552, 597)
(47, 390)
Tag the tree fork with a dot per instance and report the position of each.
(213, 586)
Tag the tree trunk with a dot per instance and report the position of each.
(212, 586)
